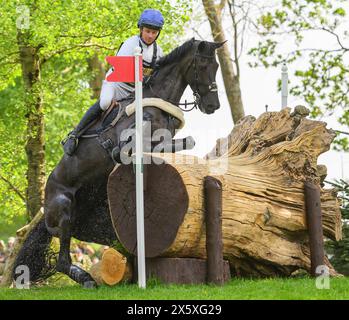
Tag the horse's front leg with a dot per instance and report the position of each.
(186, 143)
(175, 145)
(58, 220)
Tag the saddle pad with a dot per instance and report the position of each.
(161, 104)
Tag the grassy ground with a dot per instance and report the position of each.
(280, 289)
(241, 289)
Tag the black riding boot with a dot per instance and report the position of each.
(71, 143)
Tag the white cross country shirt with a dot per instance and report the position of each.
(127, 49)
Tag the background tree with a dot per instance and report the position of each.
(285, 30)
(322, 81)
(49, 52)
(229, 67)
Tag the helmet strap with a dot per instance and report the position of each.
(157, 35)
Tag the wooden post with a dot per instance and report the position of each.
(179, 270)
(214, 244)
(314, 223)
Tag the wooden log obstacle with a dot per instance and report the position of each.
(272, 221)
(166, 202)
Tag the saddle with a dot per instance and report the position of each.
(163, 105)
(105, 139)
(128, 110)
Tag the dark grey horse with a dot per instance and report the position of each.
(76, 202)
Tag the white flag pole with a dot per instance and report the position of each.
(139, 172)
(284, 85)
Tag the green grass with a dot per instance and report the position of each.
(236, 289)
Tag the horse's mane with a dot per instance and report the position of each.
(176, 53)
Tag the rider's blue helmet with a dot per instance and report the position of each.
(152, 19)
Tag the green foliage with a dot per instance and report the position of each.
(341, 144)
(66, 34)
(323, 81)
(12, 154)
(339, 250)
(120, 248)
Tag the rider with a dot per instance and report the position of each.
(150, 24)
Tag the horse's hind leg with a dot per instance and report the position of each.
(61, 208)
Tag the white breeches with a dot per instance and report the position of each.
(113, 90)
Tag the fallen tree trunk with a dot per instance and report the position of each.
(262, 165)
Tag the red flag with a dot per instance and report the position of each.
(124, 69)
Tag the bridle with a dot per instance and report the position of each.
(197, 98)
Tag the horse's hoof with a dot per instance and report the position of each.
(90, 285)
(189, 143)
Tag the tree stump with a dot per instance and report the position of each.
(112, 269)
(262, 165)
(165, 204)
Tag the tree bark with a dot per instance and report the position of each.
(230, 78)
(96, 69)
(262, 165)
(35, 145)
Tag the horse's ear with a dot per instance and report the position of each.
(192, 40)
(219, 44)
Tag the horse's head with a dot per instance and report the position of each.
(201, 76)
(194, 64)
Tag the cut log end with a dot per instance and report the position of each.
(112, 269)
(165, 204)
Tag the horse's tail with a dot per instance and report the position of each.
(36, 254)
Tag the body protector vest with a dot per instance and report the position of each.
(148, 67)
